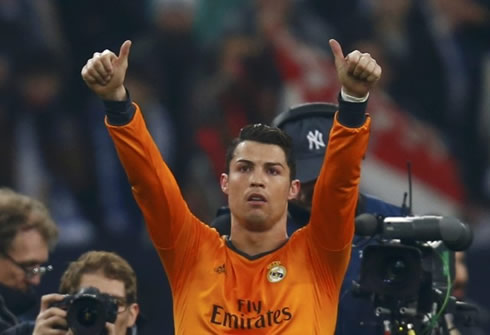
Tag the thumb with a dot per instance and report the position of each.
(124, 51)
(337, 53)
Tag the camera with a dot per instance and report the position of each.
(406, 277)
(406, 274)
(88, 310)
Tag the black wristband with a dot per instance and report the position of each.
(119, 113)
(351, 114)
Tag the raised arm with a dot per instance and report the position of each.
(152, 183)
(337, 187)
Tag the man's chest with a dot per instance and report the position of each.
(255, 295)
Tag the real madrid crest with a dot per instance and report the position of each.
(276, 273)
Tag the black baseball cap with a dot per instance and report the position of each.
(309, 126)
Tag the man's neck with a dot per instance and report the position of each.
(253, 243)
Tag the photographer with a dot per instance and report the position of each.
(27, 234)
(105, 271)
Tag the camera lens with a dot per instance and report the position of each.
(396, 270)
(87, 316)
(391, 270)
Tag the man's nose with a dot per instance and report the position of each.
(257, 179)
(34, 280)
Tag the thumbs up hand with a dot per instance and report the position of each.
(104, 73)
(357, 72)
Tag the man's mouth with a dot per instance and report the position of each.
(256, 199)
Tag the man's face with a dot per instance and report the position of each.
(258, 185)
(28, 250)
(305, 195)
(461, 275)
(127, 314)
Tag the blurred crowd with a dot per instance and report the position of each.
(202, 69)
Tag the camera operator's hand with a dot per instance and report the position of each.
(50, 320)
(357, 72)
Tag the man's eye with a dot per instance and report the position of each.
(244, 168)
(30, 267)
(119, 301)
(273, 172)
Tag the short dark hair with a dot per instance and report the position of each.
(109, 264)
(264, 134)
(19, 212)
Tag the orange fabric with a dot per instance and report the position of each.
(291, 290)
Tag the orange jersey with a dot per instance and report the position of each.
(217, 290)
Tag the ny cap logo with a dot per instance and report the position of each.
(315, 139)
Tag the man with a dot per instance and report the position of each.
(257, 279)
(468, 321)
(27, 235)
(309, 125)
(110, 274)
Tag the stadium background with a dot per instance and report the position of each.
(201, 69)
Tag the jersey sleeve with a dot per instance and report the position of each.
(169, 221)
(331, 229)
(337, 188)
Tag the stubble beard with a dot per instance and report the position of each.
(256, 222)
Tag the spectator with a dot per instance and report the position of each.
(27, 234)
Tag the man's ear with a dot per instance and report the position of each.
(223, 181)
(294, 189)
(134, 310)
